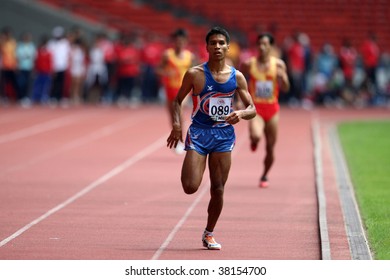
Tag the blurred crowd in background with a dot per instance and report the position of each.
(63, 69)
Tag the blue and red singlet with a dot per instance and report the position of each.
(209, 132)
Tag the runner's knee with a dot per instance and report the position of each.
(189, 187)
(217, 191)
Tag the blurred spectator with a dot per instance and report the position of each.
(296, 67)
(25, 53)
(348, 59)
(97, 76)
(77, 70)
(308, 59)
(370, 55)
(326, 61)
(43, 72)
(382, 96)
(107, 46)
(59, 47)
(75, 33)
(128, 69)
(151, 57)
(9, 88)
(326, 79)
(348, 62)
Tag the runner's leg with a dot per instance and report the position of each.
(219, 165)
(192, 171)
(270, 132)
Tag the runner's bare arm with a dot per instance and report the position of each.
(160, 69)
(186, 87)
(249, 110)
(281, 72)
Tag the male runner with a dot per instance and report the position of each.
(266, 75)
(213, 85)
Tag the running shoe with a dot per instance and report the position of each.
(210, 243)
(263, 183)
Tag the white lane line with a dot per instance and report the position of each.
(357, 239)
(319, 178)
(36, 129)
(105, 131)
(204, 188)
(134, 159)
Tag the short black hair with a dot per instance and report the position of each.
(268, 35)
(180, 32)
(218, 30)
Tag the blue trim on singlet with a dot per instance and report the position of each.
(200, 115)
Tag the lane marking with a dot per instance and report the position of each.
(100, 133)
(204, 188)
(357, 239)
(38, 128)
(319, 179)
(115, 171)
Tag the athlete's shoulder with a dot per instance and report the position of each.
(195, 71)
(249, 60)
(239, 74)
(188, 52)
(167, 53)
(277, 60)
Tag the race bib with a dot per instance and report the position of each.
(264, 89)
(219, 108)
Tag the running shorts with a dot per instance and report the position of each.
(210, 140)
(267, 111)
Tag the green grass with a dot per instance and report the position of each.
(366, 147)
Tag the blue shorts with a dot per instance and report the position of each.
(209, 140)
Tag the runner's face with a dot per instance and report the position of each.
(217, 46)
(264, 46)
(181, 42)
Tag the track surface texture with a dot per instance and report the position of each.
(93, 183)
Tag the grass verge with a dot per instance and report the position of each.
(366, 147)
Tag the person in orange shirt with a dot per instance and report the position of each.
(267, 75)
(9, 64)
(175, 62)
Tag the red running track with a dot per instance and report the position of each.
(93, 183)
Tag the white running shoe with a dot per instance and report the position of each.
(209, 242)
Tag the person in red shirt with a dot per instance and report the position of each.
(43, 70)
(348, 57)
(128, 68)
(370, 53)
(151, 57)
(296, 67)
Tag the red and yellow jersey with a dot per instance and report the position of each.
(177, 67)
(263, 85)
